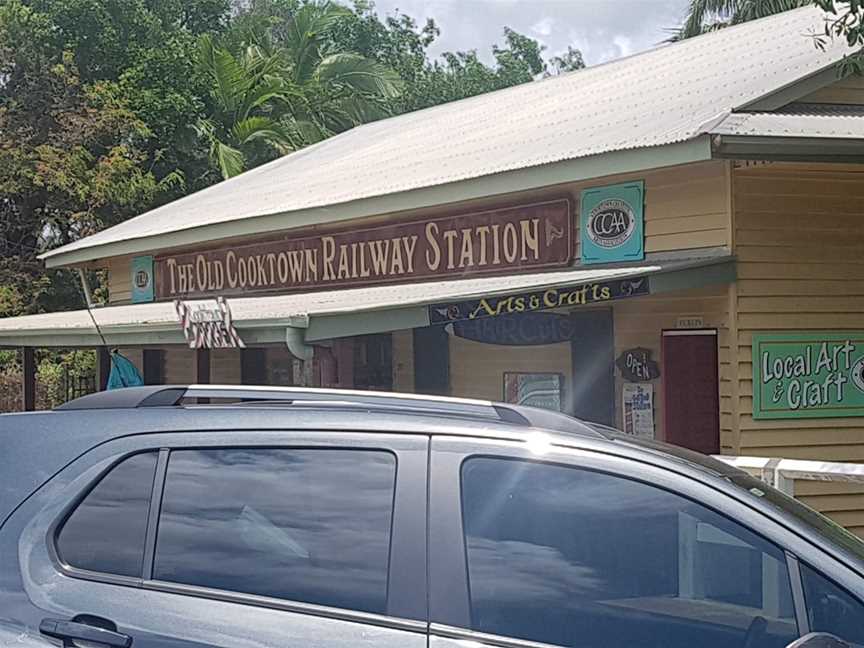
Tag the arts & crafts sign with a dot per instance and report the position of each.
(808, 375)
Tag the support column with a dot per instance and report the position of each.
(202, 371)
(28, 379)
(103, 367)
(202, 366)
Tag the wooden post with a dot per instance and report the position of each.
(28, 379)
(202, 366)
(103, 367)
(202, 371)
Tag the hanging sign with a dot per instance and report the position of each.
(513, 239)
(636, 365)
(638, 404)
(808, 375)
(539, 300)
(524, 329)
(142, 279)
(207, 324)
(612, 223)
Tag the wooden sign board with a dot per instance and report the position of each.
(508, 240)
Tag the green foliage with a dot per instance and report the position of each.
(705, 16)
(847, 22)
(111, 107)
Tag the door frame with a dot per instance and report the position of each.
(667, 333)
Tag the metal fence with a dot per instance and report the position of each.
(783, 473)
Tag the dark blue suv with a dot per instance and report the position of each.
(235, 517)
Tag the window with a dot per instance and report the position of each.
(584, 559)
(832, 609)
(303, 525)
(107, 531)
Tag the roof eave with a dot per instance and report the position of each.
(697, 149)
(789, 149)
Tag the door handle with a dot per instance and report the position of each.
(74, 631)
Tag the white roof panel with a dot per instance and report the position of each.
(767, 124)
(662, 96)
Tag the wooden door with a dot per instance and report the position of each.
(691, 398)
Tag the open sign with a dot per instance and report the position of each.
(636, 365)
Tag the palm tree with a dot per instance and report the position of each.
(246, 93)
(288, 86)
(709, 15)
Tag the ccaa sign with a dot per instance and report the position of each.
(612, 226)
(808, 375)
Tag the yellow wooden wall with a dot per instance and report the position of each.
(799, 236)
(640, 322)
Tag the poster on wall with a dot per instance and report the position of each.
(638, 403)
(544, 390)
(808, 375)
(612, 223)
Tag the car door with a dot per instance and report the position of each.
(223, 540)
(587, 550)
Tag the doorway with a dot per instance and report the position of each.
(691, 390)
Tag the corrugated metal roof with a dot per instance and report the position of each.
(659, 97)
(843, 126)
(247, 312)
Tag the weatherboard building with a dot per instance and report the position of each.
(669, 243)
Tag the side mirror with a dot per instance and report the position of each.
(819, 640)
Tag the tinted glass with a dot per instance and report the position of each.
(106, 532)
(831, 608)
(578, 558)
(304, 525)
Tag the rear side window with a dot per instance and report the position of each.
(304, 525)
(106, 531)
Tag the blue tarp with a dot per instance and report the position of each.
(123, 373)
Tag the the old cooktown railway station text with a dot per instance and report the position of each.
(528, 237)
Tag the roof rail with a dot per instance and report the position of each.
(178, 395)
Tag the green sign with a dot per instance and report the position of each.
(808, 375)
(612, 223)
(142, 279)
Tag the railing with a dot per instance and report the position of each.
(782, 473)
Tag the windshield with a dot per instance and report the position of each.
(815, 520)
(823, 525)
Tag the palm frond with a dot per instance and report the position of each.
(310, 24)
(360, 74)
(230, 161)
(276, 134)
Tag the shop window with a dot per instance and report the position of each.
(373, 362)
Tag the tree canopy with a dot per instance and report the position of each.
(111, 107)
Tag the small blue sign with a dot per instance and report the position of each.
(142, 279)
(612, 223)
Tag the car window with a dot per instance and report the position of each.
(579, 558)
(106, 531)
(305, 525)
(832, 609)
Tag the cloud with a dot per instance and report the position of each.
(602, 29)
(544, 26)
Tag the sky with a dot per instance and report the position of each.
(602, 29)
